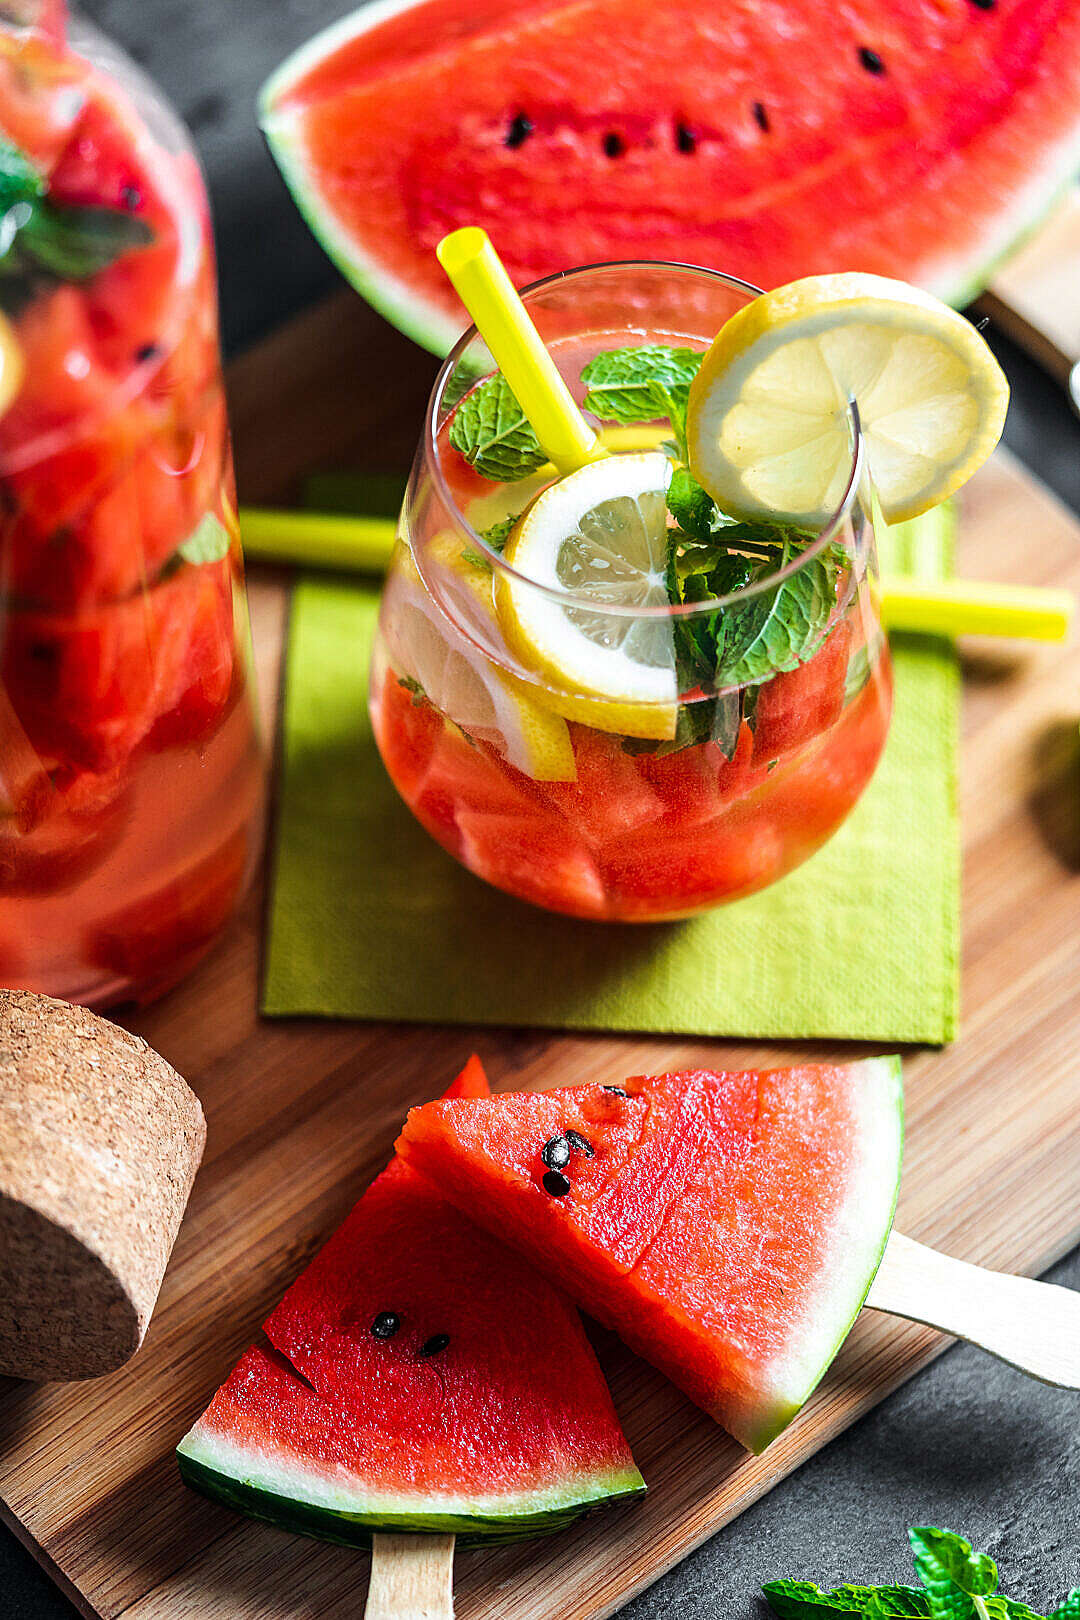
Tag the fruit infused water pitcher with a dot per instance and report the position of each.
(600, 692)
(130, 769)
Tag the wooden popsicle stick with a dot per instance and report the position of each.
(1034, 1326)
(412, 1578)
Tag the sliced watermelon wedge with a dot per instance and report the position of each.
(906, 137)
(417, 1377)
(726, 1225)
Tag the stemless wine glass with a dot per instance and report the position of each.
(130, 767)
(586, 806)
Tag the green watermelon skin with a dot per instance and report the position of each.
(904, 137)
(324, 1430)
(727, 1225)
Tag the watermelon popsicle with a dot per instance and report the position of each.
(416, 1378)
(729, 1226)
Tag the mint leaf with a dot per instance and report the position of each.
(208, 542)
(19, 180)
(73, 244)
(639, 384)
(692, 509)
(858, 673)
(499, 533)
(474, 558)
(490, 430)
(414, 688)
(43, 243)
(778, 629)
(943, 1557)
(1003, 1608)
(1069, 1607)
(716, 720)
(801, 1600)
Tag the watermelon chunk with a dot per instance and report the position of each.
(907, 137)
(727, 1225)
(477, 1408)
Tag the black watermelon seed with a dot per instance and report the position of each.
(146, 352)
(432, 1346)
(131, 197)
(579, 1144)
(556, 1183)
(556, 1153)
(386, 1324)
(761, 117)
(617, 1091)
(518, 133)
(614, 146)
(870, 60)
(984, 5)
(685, 139)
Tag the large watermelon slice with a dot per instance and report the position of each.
(418, 1376)
(727, 1226)
(916, 138)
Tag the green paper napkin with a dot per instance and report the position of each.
(370, 919)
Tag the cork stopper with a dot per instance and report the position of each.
(100, 1140)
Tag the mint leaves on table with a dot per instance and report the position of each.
(43, 243)
(957, 1584)
(490, 430)
(801, 1600)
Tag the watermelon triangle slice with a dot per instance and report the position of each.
(417, 1377)
(906, 137)
(726, 1225)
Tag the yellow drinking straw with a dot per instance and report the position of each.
(491, 299)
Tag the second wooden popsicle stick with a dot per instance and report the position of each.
(953, 607)
(412, 1578)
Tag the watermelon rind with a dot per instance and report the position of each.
(280, 1491)
(860, 1234)
(956, 279)
(429, 326)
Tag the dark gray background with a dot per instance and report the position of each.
(969, 1444)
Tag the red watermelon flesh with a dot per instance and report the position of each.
(913, 138)
(727, 1225)
(483, 1412)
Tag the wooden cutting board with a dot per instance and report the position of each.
(303, 1113)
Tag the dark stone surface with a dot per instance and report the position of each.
(969, 1444)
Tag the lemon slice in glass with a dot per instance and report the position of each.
(468, 689)
(767, 424)
(602, 534)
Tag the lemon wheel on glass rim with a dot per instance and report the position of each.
(767, 424)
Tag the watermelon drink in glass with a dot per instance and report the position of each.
(130, 767)
(597, 707)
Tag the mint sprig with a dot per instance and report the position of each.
(490, 430)
(957, 1584)
(43, 243)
